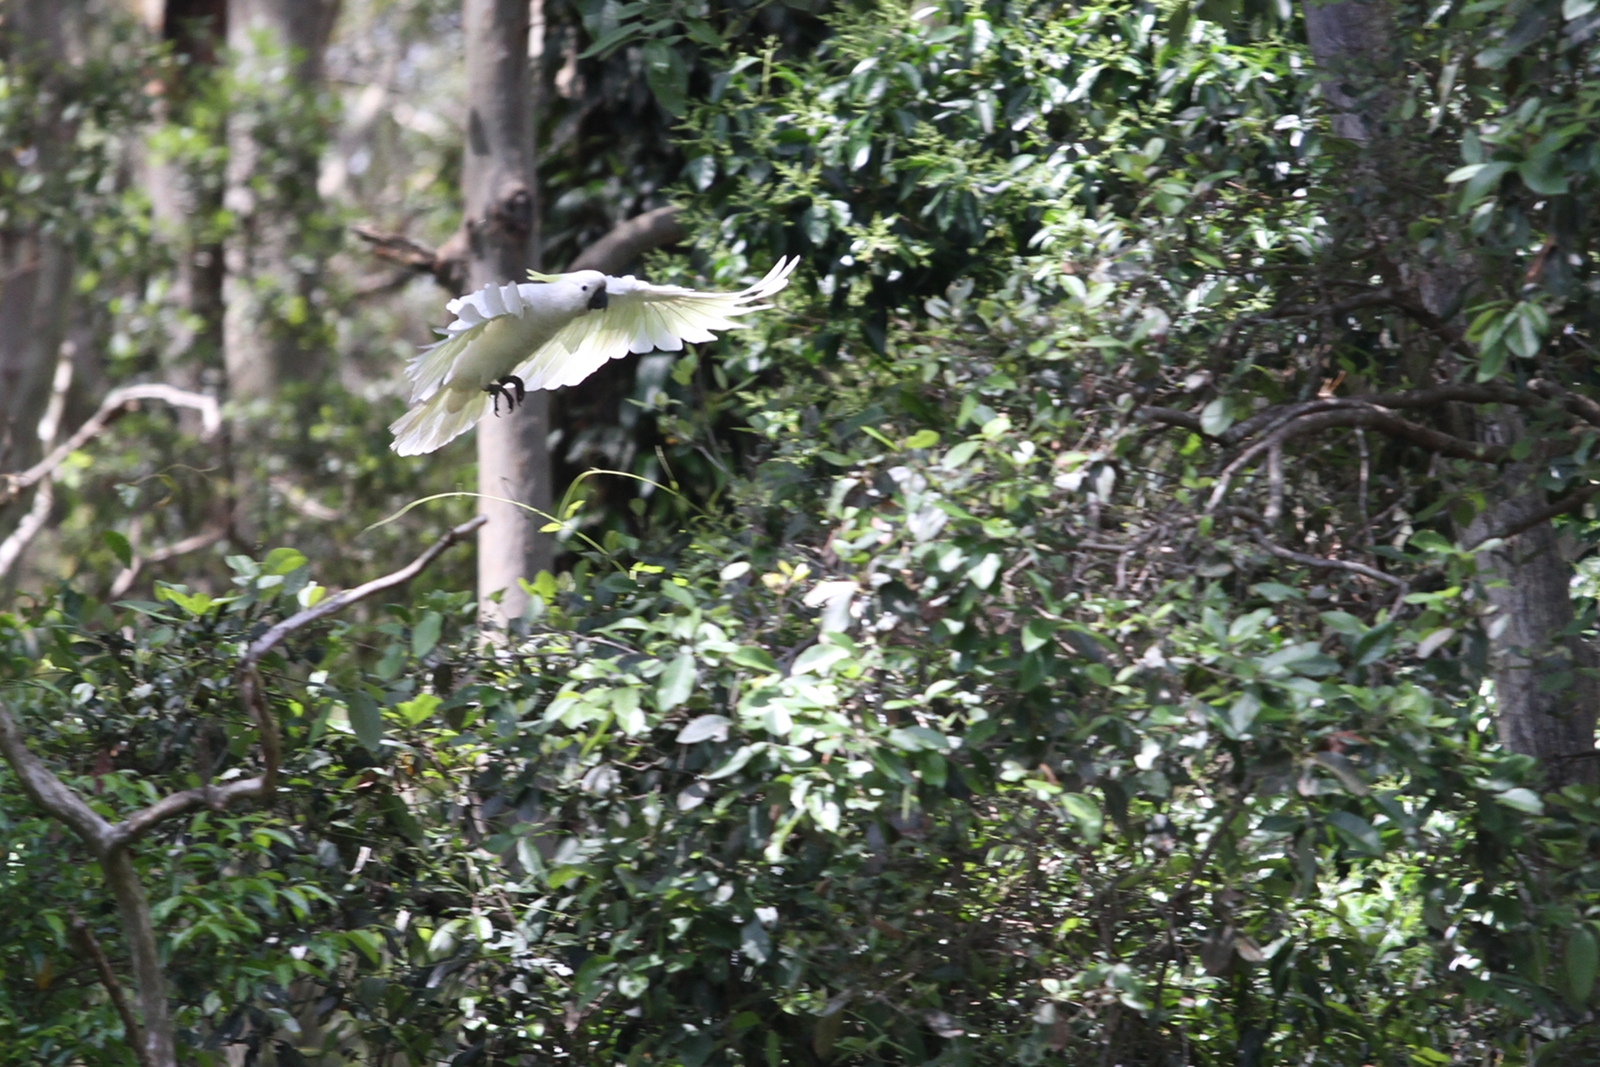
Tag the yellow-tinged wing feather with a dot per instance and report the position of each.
(640, 317)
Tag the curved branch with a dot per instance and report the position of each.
(115, 405)
(1268, 419)
(1366, 416)
(629, 240)
(46, 790)
(1324, 562)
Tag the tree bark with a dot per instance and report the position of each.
(278, 48)
(498, 190)
(196, 31)
(36, 268)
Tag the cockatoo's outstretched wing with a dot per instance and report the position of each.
(640, 317)
(507, 340)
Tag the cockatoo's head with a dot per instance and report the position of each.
(592, 284)
(580, 291)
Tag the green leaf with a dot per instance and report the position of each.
(668, 76)
(1582, 959)
(426, 634)
(983, 573)
(1544, 175)
(1036, 634)
(705, 728)
(734, 763)
(676, 682)
(1086, 814)
(366, 720)
(1216, 417)
(754, 943)
(757, 659)
(119, 545)
(1481, 179)
(1523, 334)
(1357, 831)
(369, 944)
(283, 561)
(1521, 799)
(818, 659)
(922, 439)
(958, 455)
(1242, 715)
(417, 709)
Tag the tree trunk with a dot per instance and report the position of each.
(196, 31)
(497, 187)
(36, 268)
(1544, 708)
(273, 158)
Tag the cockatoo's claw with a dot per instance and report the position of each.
(511, 388)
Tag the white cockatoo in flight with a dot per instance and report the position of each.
(554, 331)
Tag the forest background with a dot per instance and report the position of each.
(1131, 602)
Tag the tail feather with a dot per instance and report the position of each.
(433, 424)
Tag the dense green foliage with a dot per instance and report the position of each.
(946, 701)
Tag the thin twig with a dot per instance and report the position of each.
(1369, 416)
(1274, 483)
(1324, 561)
(204, 539)
(1364, 534)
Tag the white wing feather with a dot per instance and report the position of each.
(641, 317)
(448, 378)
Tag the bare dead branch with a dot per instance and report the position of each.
(1187, 420)
(1268, 419)
(108, 978)
(1575, 403)
(447, 264)
(118, 403)
(12, 548)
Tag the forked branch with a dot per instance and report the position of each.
(109, 843)
(118, 403)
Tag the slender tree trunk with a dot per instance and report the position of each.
(1545, 708)
(498, 190)
(181, 199)
(273, 158)
(36, 268)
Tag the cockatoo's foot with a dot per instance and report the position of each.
(511, 388)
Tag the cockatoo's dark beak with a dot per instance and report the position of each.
(599, 300)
